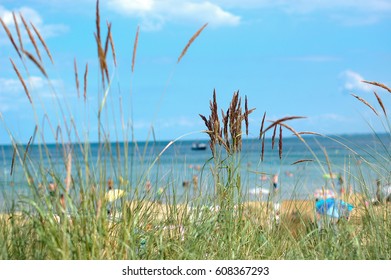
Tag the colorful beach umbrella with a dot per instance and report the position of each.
(334, 208)
(324, 193)
(114, 194)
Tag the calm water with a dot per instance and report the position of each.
(179, 164)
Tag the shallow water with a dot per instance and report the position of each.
(175, 169)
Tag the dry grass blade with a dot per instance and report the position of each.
(35, 132)
(107, 38)
(17, 30)
(292, 130)
(280, 143)
(309, 133)
(135, 48)
(31, 37)
(205, 120)
(27, 149)
(380, 103)
(225, 118)
(10, 37)
(274, 136)
(378, 85)
(85, 83)
(328, 166)
(215, 115)
(68, 173)
(13, 161)
(76, 78)
(366, 103)
(263, 147)
(283, 120)
(58, 133)
(36, 62)
(261, 132)
(102, 60)
(191, 41)
(302, 160)
(97, 20)
(21, 81)
(112, 48)
(42, 42)
(247, 112)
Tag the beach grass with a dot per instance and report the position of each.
(151, 230)
(67, 214)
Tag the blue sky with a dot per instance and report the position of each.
(289, 57)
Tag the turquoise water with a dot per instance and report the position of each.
(179, 164)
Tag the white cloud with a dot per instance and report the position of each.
(31, 15)
(352, 81)
(136, 6)
(12, 94)
(34, 82)
(155, 13)
(346, 12)
(306, 6)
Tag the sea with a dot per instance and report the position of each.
(350, 163)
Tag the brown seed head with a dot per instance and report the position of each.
(10, 37)
(191, 42)
(135, 48)
(378, 85)
(42, 42)
(31, 37)
(366, 103)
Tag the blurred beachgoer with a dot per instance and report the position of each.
(288, 174)
(52, 189)
(378, 190)
(275, 182)
(110, 184)
(276, 205)
(263, 177)
(148, 186)
(383, 193)
(62, 202)
(196, 167)
(185, 183)
(195, 181)
(341, 184)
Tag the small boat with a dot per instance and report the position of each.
(198, 146)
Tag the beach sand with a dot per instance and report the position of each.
(296, 215)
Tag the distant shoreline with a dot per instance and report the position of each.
(206, 139)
